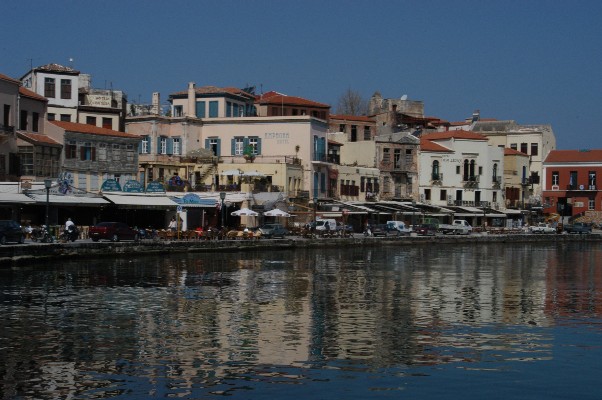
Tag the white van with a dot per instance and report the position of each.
(321, 224)
(398, 227)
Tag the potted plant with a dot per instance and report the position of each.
(248, 153)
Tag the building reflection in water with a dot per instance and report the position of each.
(202, 320)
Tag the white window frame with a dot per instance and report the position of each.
(239, 146)
(176, 146)
(163, 145)
(253, 142)
(144, 147)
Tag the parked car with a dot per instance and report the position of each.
(542, 228)
(11, 231)
(398, 228)
(379, 230)
(273, 230)
(426, 230)
(113, 231)
(578, 227)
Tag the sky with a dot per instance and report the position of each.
(535, 62)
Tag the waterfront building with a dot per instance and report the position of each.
(570, 184)
(71, 97)
(515, 177)
(460, 168)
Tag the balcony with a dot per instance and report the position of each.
(496, 182)
(472, 182)
(436, 179)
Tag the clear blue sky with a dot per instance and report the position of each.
(531, 61)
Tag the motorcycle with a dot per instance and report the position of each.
(70, 234)
(41, 234)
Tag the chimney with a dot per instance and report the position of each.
(191, 101)
(155, 108)
(476, 115)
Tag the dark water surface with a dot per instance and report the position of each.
(453, 322)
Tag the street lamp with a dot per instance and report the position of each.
(222, 196)
(47, 185)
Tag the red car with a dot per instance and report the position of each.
(113, 231)
(426, 230)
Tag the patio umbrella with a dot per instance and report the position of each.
(244, 212)
(276, 212)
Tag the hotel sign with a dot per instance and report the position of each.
(98, 100)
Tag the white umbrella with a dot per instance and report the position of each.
(276, 212)
(246, 212)
(234, 172)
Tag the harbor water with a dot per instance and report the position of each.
(519, 321)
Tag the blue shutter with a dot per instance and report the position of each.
(258, 146)
(322, 183)
(159, 145)
(245, 142)
(150, 149)
(213, 109)
(169, 146)
(315, 185)
(219, 147)
(322, 149)
(235, 111)
(200, 109)
(232, 145)
(207, 144)
(140, 146)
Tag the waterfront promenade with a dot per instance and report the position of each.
(22, 254)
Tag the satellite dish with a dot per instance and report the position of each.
(404, 97)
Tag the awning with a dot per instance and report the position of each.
(84, 201)
(18, 198)
(141, 201)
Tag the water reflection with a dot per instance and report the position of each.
(238, 324)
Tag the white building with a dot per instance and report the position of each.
(460, 168)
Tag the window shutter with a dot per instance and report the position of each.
(245, 142)
(159, 145)
(149, 148)
(207, 144)
(219, 147)
(140, 147)
(322, 182)
(232, 146)
(258, 146)
(169, 146)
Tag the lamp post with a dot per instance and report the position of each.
(413, 213)
(47, 185)
(222, 196)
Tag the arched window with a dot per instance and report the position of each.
(472, 174)
(495, 172)
(466, 170)
(435, 171)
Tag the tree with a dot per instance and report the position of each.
(352, 103)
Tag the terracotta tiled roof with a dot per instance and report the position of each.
(459, 134)
(56, 68)
(427, 145)
(511, 152)
(91, 129)
(38, 138)
(9, 79)
(574, 156)
(359, 118)
(279, 98)
(30, 94)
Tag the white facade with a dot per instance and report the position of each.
(464, 172)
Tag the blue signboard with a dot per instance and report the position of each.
(110, 185)
(133, 187)
(155, 187)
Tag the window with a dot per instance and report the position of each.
(145, 145)
(6, 118)
(163, 145)
(178, 111)
(91, 120)
(534, 149)
(480, 170)
(367, 134)
(200, 109)
(591, 204)
(213, 109)
(66, 117)
(51, 116)
(591, 180)
(49, 88)
(513, 146)
(495, 173)
(71, 150)
(397, 158)
(254, 143)
(229, 109)
(23, 120)
(523, 148)
(65, 88)
(213, 144)
(354, 133)
(443, 195)
(238, 145)
(494, 198)
(129, 153)
(458, 169)
(35, 121)
(107, 123)
(427, 194)
(87, 152)
(176, 145)
(435, 170)
(102, 152)
(555, 177)
(341, 127)
(386, 155)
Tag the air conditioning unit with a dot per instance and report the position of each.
(555, 187)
